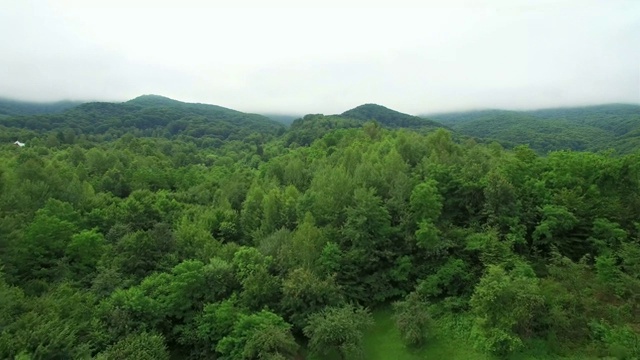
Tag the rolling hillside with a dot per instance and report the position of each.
(10, 107)
(305, 130)
(594, 128)
(601, 127)
(388, 117)
(150, 115)
(617, 118)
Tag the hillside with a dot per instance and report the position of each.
(305, 130)
(286, 119)
(150, 115)
(158, 229)
(10, 107)
(585, 128)
(404, 244)
(616, 118)
(388, 117)
(311, 127)
(453, 119)
(613, 126)
(620, 120)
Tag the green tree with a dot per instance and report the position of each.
(214, 323)
(259, 286)
(56, 325)
(258, 336)
(143, 346)
(554, 229)
(38, 254)
(412, 318)
(143, 252)
(506, 305)
(501, 204)
(83, 253)
(426, 201)
(454, 278)
(304, 293)
(306, 245)
(251, 215)
(338, 329)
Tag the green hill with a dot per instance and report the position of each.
(599, 127)
(158, 229)
(616, 118)
(151, 115)
(454, 119)
(388, 118)
(10, 107)
(285, 119)
(305, 130)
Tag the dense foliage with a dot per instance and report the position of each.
(133, 242)
(585, 128)
(145, 116)
(388, 117)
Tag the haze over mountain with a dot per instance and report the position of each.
(150, 115)
(602, 127)
(582, 128)
(388, 117)
(9, 107)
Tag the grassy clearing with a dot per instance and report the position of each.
(448, 339)
(383, 342)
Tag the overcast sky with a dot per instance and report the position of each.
(444, 55)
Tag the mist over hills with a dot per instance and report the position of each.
(388, 117)
(150, 115)
(9, 107)
(598, 127)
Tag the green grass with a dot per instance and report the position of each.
(383, 342)
(448, 338)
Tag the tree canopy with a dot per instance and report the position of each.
(155, 229)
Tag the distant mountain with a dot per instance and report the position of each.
(612, 126)
(599, 127)
(10, 107)
(151, 115)
(459, 118)
(158, 101)
(285, 119)
(388, 117)
(305, 130)
(616, 118)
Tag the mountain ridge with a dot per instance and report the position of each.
(12, 107)
(150, 115)
(388, 117)
(596, 127)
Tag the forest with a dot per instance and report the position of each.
(156, 229)
(590, 128)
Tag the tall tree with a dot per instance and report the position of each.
(338, 329)
(411, 319)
